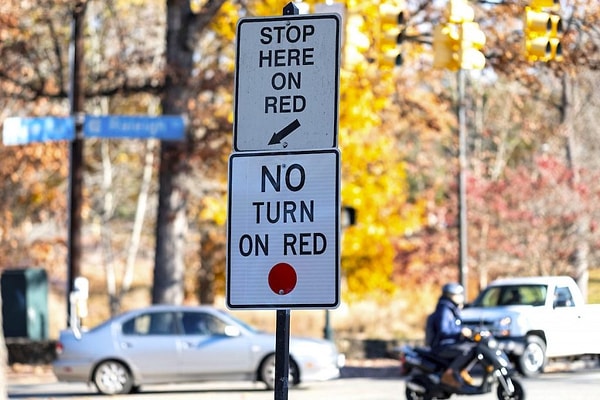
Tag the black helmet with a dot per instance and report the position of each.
(453, 289)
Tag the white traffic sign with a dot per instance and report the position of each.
(283, 230)
(287, 83)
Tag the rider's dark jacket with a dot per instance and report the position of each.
(447, 323)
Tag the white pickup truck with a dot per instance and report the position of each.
(537, 318)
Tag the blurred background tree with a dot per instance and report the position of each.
(532, 141)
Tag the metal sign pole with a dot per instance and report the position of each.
(282, 354)
(282, 334)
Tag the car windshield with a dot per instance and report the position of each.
(249, 328)
(493, 296)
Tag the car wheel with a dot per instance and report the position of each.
(266, 372)
(533, 359)
(113, 377)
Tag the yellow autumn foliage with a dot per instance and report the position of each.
(225, 21)
(374, 179)
(214, 209)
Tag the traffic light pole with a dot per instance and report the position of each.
(457, 44)
(462, 181)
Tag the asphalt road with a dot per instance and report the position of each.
(583, 384)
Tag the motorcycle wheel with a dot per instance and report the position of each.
(415, 395)
(519, 393)
(412, 395)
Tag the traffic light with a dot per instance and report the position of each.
(457, 43)
(356, 43)
(543, 30)
(551, 5)
(446, 47)
(392, 20)
(460, 11)
(472, 40)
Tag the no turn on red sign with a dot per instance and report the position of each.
(287, 83)
(283, 230)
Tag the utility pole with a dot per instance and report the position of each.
(457, 45)
(462, 181)
(76, 103)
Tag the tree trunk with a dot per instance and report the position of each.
(138, 224)
(171, 224)
(579, 257)
(106, 233)
(170, 229)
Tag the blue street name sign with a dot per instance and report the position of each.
(171, 127)
(19, 130)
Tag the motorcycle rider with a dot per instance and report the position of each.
(448, 336)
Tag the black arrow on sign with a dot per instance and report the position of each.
(282, 134)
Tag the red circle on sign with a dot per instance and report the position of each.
(282, 278)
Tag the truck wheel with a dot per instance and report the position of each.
(533, 359)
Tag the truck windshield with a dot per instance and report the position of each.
(493, 296)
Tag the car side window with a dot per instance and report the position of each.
(159, 323)
(199, 323)
(563, 297)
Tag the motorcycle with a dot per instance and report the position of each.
(490, 367)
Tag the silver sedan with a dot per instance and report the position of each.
(168, 344)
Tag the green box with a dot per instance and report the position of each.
(25, 303)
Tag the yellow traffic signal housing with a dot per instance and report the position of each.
(542, 34)
(542, 23)
(460, 11)
(545, 4)
(392, 21)
(446, 47)
(457, 46)
(472, 40)
(543, 48)
(356, 43)
(556, 27)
